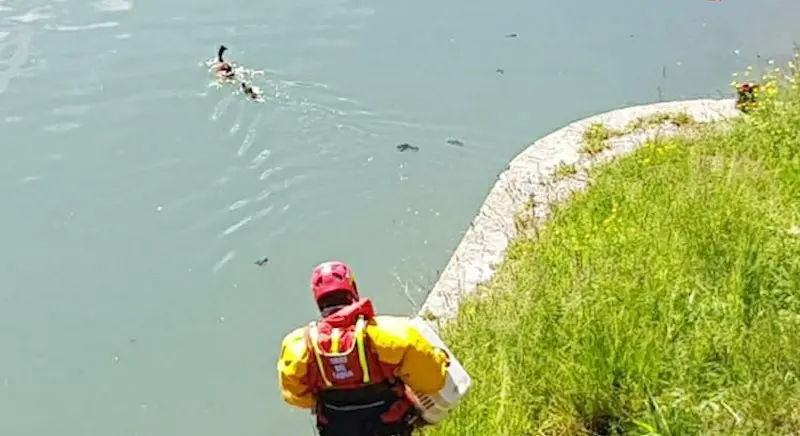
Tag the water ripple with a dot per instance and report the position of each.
(12, 67)
(65, 28)
(250, 137)
(33, 15)
(237, 226)
(287, 185)
(71, 110)
(236, 124)
(264, 212)
(269, 171)
(263, 155)
(61, 127)
(225, 259)
(238, 205)
(221, 107)
(113, 5)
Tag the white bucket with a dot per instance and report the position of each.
(434, 408)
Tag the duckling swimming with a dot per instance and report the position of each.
(222, 68)
(406, 146)
(252, 92)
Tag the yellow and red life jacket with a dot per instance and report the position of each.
(347, 374)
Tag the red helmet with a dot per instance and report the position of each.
(333, 276)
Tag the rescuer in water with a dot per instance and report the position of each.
(353, 369)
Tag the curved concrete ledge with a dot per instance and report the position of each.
(528, 180)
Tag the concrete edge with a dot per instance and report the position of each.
(528, 177)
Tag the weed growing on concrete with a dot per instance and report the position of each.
(596, 137)
(563, 171)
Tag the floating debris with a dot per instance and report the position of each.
(455, 142)
(405, 146)
(261, 262)
(500, 71)
(511, 35)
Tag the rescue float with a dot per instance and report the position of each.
(434, 408)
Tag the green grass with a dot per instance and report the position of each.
(664, 300)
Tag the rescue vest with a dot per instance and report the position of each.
(341, 355)
(351, 379)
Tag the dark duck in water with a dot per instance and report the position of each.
(222, 68)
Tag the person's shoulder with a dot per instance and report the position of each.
(392, 319)
(396, 329)
(392, 322)
(394, 336)
(293, 345)
(295, 336)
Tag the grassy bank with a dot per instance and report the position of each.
(664, 300)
